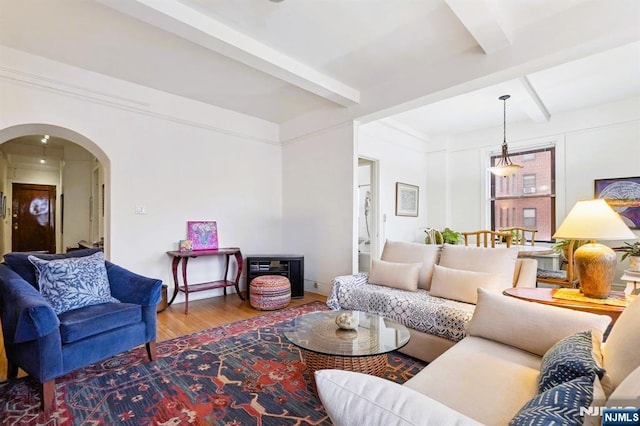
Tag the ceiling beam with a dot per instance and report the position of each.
(533, 105)
(192, 25)
(480, 19)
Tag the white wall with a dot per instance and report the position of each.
(180, 159)
(319, 187)
(401, 158)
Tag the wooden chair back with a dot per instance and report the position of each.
(570, 279)
(488, 238)
(521, 236)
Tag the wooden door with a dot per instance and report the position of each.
(33, 218)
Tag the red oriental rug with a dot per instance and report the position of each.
(243, 373)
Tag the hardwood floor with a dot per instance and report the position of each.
(203, 314)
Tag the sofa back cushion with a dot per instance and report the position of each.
(458, 284)
(19, 262)
(405, 252)
(398, 275)
(621, 351)
(529, 326)
(481, 259)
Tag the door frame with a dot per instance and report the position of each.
(374, 181)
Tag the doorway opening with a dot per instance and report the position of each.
(367, 213)
(56, 190)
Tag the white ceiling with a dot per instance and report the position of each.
(281, 60)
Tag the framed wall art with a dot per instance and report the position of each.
(406, 199)
(203, 235)
(623, 195)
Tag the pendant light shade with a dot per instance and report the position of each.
(505, 167)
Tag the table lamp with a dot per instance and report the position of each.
(595, 263)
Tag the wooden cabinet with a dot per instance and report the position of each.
(290, 266)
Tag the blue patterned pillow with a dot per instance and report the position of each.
(559, 405)
(571, 357)
(73, 283)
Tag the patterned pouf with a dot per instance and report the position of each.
(270, 292)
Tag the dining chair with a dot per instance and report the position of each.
(488, 238)
(567, 275)
(521, 236)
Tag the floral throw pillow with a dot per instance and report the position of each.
(73, 283)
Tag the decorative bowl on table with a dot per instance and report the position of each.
(347, 321)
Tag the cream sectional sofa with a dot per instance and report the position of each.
(493, 375)
(430, 289)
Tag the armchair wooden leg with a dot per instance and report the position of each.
(151, 350)
(47, 396)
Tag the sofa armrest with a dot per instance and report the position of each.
(333, 301)
(357, 399)
(26, 315)
(130, 287)
(526, 273)
(517, 323)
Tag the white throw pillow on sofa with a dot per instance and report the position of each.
(403, 252)
(359, 399)
(458, 284)
(398, 275)
(480, 259)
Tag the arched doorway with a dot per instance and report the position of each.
(74, 166)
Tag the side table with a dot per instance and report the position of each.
(186, 288)
(545, 296)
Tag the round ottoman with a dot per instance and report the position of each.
(270, 292)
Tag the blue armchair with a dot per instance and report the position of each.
(47, 345)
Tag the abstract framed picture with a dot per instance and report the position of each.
(406, 199)
(623, 195)
(203, 234)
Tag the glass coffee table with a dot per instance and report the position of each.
(324, 345)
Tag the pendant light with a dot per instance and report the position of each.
(505, 167)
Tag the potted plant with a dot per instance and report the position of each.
(562, 246)
(632, 251)
(446, 236)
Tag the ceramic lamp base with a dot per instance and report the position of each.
(596, 265)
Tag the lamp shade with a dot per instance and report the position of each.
(593, 220)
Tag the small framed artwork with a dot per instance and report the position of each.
(406, 199)
(203, 235)
(623, 195)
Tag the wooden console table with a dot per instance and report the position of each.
(545, 296)
(223, 283)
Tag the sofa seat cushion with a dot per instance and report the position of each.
(475, 373)
(417, 310)
(80, 323)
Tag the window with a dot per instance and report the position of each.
(529, 218)
(526, 199)
(529, 184)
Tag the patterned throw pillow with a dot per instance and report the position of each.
(559, 405)
(572, 357)
(73, 283)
